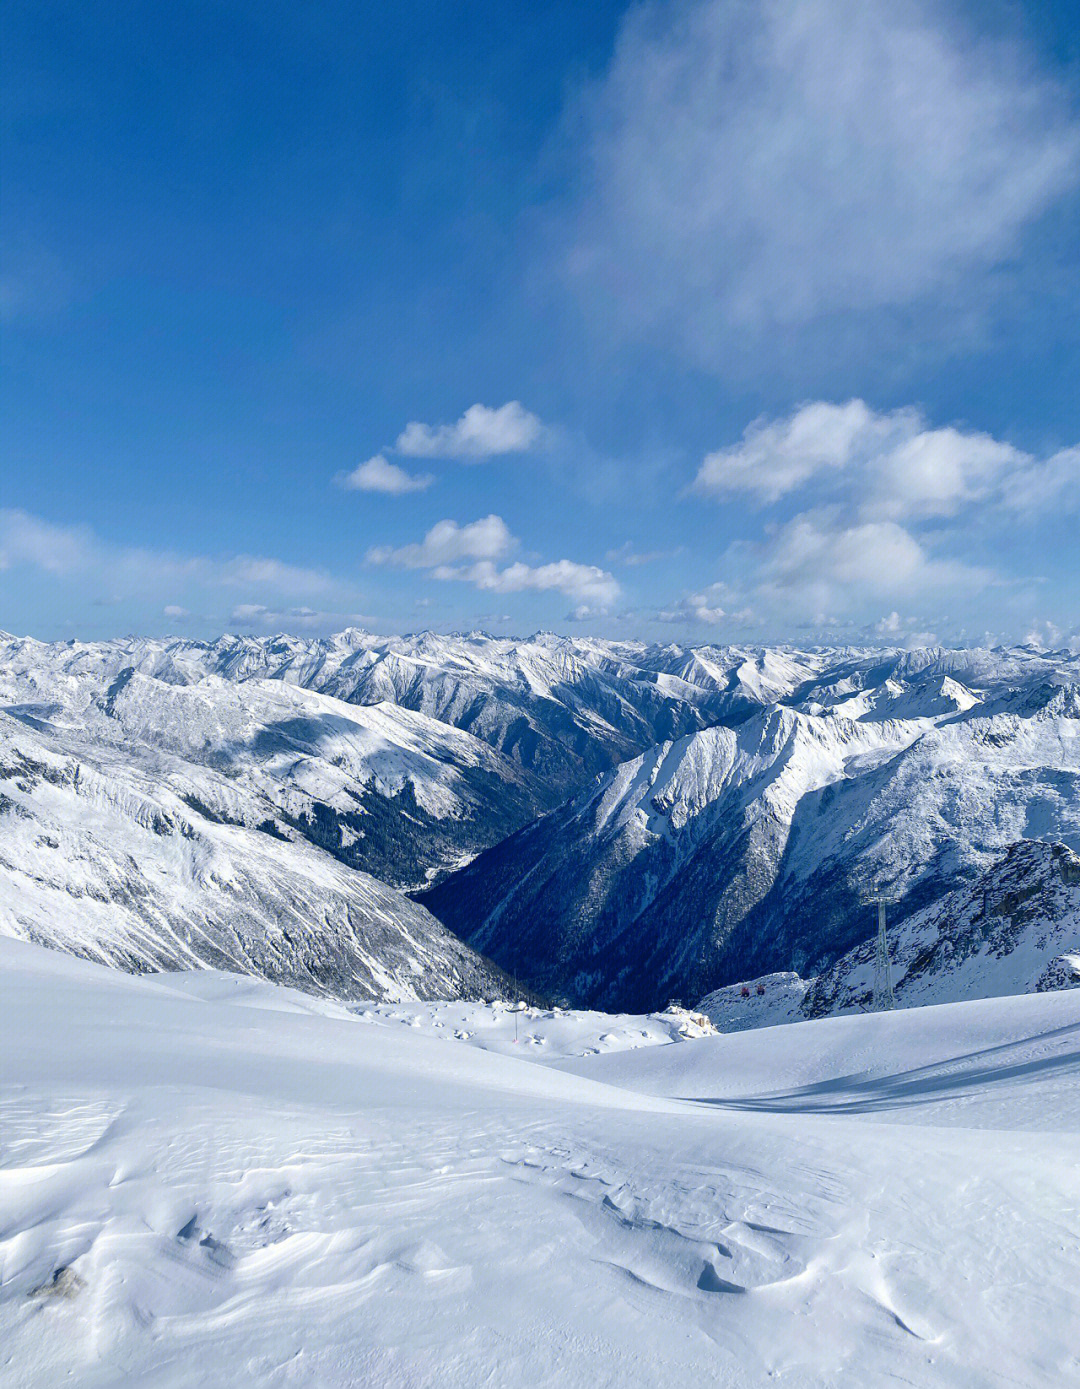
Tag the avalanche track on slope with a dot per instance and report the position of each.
(254, 1186)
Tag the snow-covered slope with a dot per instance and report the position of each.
(1015, 929)
(999, 935)
(383, 788)
(118, 859)
(770, 1001)
(737, 852)
(251, 1187)
(542, 1034)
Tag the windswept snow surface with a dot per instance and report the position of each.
(208, 1180)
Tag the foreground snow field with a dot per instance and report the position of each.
(213, 1181)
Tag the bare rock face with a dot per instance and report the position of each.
(65, 1283)
(1063, 972)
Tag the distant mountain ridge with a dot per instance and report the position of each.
(563, 708)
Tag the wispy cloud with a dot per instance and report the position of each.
(260, 616)
(894, 630)
(628, 555)
(77, 553)
(818, 550)
(482, 432)
(826, 568)
(755, 167)
(378, 474)
(1048, 636)
(29, 540)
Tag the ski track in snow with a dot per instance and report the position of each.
(208, 1181)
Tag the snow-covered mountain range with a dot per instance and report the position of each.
(564, 708)
(383, 788)
(713, 813)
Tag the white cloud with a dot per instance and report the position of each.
(26, 539)
(249, 569)
(891, 465)
(380, 475)
(1054, 484)
(447, 543)
(759, 164)
(702, 608)
(175, 612)
(447, 546)
(935, 472)
(583, 583)
(1048, 636)
(777, 456)
(481, 432)
(876, 488)
(261, 615)
(814, 547)
(76, 553)
(626, 554)
(821, 562)
(909, 632)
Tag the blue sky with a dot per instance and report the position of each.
(693, 321)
